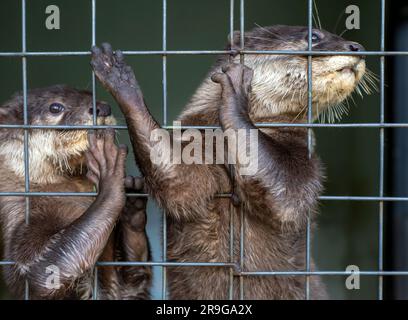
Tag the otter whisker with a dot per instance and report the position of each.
(315, 21)
(367, 85)
(343, 32)
(300, 112)
(270, 32)
(323, 116)
(372, 79)
(372, 74)
(363, 85)
(352, 99)
(342, 12)
(358, 90)
(317, 15)
(260, 38)
(348, 103)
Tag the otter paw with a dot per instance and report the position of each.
(115, 75)
(235, 79)
(106, 163)
(134, 213)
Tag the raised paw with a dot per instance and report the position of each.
(134, 213)
(235, 79)
(115, 75)
(106, 163)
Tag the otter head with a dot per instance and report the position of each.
(52, 152)
(280, 82)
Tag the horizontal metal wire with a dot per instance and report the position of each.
(323, 273)
(165, 264)
(259, 125)
(220, 195)
(208, 52)
(151, 263)
(236, 267)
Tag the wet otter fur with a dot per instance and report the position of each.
(278, 198)
(65, 236)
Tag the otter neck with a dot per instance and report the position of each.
(44, 167)
(203, 108)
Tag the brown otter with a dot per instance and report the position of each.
(278, 197)
(66, 236)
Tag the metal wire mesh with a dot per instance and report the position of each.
(236, 269)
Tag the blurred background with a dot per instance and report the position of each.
(347, 231)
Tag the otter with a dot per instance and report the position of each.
(278, 198)
(56, 251)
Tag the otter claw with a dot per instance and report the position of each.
(134, 211)
(116, 76)
(235, 75)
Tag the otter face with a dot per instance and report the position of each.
(280, 82)
(56, 105)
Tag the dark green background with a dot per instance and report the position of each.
(347, 231)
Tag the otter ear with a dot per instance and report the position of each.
(9, 115)
(4, 115)
(236, 40)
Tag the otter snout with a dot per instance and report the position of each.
(354, 46)
(102, 110)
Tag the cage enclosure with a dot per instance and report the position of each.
(171, 45)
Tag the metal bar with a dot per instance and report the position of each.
(381, 181)
(26, 133)
(243, 273)
(164, 84)
(309, 133)
(231, 209)
(94, 121)
(219, 195)
(185, 127)
(241, 208)
(323, 273)
(151, 263)
(95, 283)
(207, 52)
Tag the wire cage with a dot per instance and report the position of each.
(236, 270)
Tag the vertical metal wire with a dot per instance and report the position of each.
(381, 182)
(94, 115)
(309, 133)
(164, 83)
(242, 216)
(232, 175)
(26, 133)
(93, 4)
(231, 275)
(232, 208)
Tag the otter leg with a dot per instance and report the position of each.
(170, 184)
(285, 181)
(120, 81)
(133, 244)
(72, 250)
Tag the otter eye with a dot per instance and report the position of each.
(316, 37)
(56, 108)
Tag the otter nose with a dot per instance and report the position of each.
(102, 110)
(354, 46)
